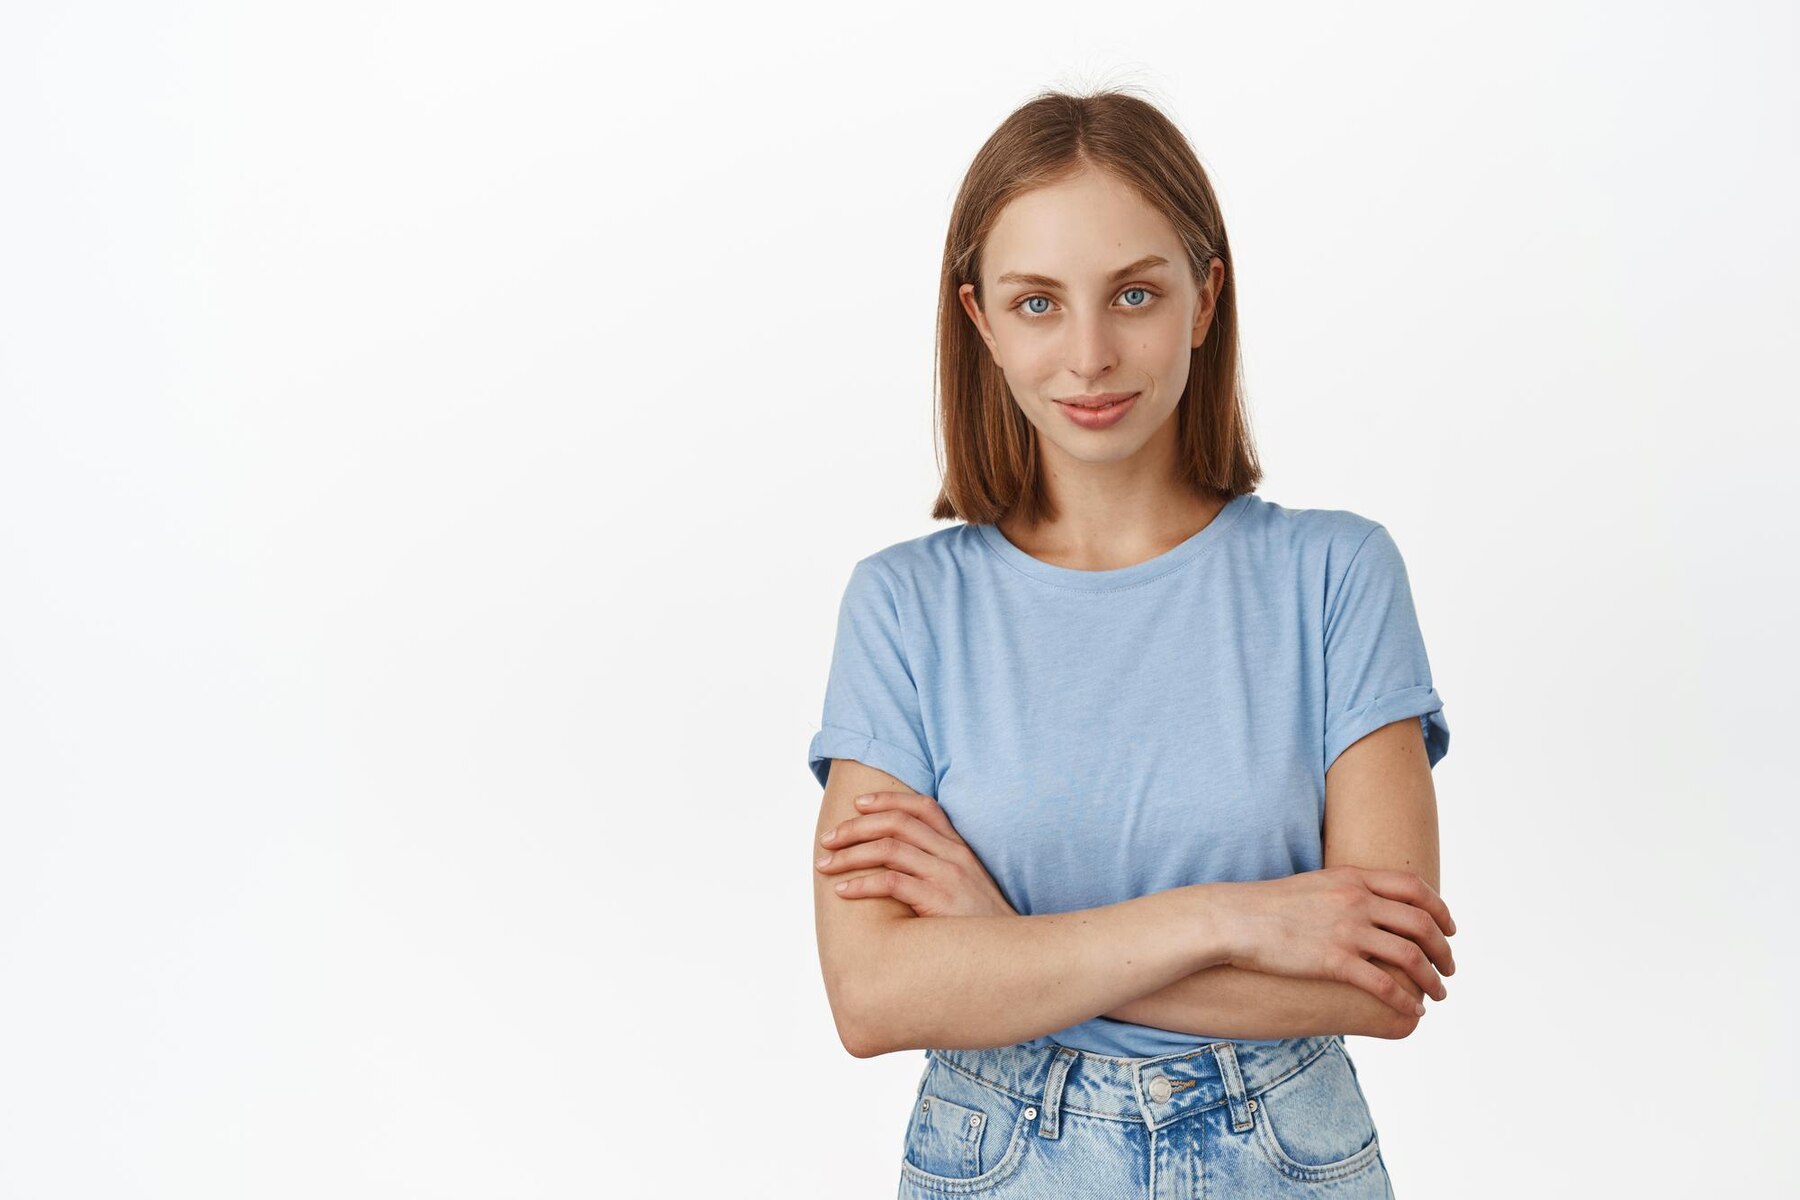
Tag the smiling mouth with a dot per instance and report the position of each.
(1099, 403)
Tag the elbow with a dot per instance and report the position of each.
(1367, 1016)
(860, 1046)
(859, 1024)
(869, 993)
(1395, 1025)
(862, 1036)
(851, 1038)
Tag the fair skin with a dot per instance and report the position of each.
(1348, 949)
(1116, 492)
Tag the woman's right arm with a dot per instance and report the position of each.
(898, 982)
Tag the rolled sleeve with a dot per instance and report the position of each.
(1422, 702)
(872, 711)
(902, 764)
(1376, 668)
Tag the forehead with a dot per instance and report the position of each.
(1083, 228)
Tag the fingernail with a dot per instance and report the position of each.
(865, 801)
(1418, 1008)
(821, 860)
(830, 836)
(841, 886)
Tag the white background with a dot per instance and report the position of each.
(434, 439)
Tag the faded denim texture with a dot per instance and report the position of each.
(1285, 1118)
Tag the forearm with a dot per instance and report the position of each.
(1234, 1002)
(974, 982)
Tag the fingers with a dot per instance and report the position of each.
(894, 823)
(1404, 885)
(1406, 954)
(901, 886)
(925, 808)
(1378, 983)
(882, 852)
(1418, 925)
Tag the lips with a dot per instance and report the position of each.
(1100, 401)
(1095, 412)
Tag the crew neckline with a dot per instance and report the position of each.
(1175, 557)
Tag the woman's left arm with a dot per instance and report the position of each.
(1380, 812)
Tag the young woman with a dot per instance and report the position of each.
(1161, 747)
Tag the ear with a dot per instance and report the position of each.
(1209, 298)
(966, 294)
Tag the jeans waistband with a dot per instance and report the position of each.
(1157, 1091)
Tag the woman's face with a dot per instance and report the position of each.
(1088, 293)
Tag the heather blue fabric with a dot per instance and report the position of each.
(1100, 735)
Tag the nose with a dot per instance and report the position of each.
(1091, 350)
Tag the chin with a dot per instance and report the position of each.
(1115, 450)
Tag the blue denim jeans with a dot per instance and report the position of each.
(1287, 1119)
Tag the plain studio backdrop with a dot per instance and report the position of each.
(434, 440)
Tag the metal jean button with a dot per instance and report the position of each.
(1160, 1089)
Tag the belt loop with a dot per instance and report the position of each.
(1226, 1055)
(1049, 1120)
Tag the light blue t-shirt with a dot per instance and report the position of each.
(1100, 735)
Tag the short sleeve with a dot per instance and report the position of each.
(872, 711)
(1376, 670)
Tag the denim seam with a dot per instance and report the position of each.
(983, 1080)
(1086, 1112)
(1354, 1165)
(1005, 1169)
(1304, 1172)
(1306, 1062)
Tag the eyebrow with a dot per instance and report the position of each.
(1030, 280)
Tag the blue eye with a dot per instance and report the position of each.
(1149, 298)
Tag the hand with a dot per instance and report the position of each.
(929, 866)
(1329, 924)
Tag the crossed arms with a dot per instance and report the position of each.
(1380, 811)
(896, 982)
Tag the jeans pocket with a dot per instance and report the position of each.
(1314, 1126)
(964, 1136)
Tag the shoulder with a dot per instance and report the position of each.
(921, 566)
(1327, 536)
(1332, 555)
